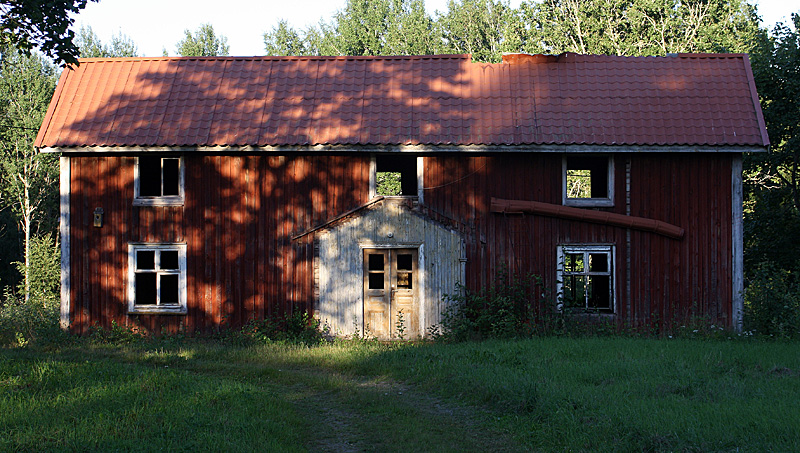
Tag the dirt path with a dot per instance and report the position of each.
(382, 415)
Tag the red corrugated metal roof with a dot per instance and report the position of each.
(688, 99)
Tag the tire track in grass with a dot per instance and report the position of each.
(355, 413)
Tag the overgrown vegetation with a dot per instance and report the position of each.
(543, 394)
(511, 306)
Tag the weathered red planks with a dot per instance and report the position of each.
(238, 215)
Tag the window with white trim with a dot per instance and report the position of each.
(157, 278)
(588, 180)
(158, 181)
(585, 278)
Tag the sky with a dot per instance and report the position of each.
(156, 25)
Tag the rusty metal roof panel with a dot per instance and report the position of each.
(689, 99)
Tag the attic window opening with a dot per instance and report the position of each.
(158, 181)
(588, 181)
(396, 176)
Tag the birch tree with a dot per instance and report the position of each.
(29, 180)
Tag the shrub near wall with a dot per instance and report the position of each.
(772, 302)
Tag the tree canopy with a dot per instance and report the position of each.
(90, 45)
(488, 28)
(203, 43)
(42, 24)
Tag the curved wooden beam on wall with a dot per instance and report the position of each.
(586, 215)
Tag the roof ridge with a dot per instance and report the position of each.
(283, 58)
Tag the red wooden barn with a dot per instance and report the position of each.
(205, 192)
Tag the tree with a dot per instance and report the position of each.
(43, 24)
(363, 27)
(772, 180)
(29, 179)
(639, 27)
(284, 40)
(91, 47)
(203, 43)
(483, 28)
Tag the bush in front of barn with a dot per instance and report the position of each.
(510, 307)
(35, 319)
(772, 301)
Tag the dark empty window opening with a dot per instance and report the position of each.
(585, 278)
(587, 177)
(396, 176)
(375, 269)
(159, 177)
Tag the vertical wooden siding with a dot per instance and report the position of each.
(671, 280)
(241, 211)
(238, 217)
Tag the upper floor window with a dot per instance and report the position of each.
(158, 181)
(588, 180)
(395, 176)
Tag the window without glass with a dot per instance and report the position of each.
(396, 176)
(588, 181)
(585, 278)
(159, 181)
(157, 278)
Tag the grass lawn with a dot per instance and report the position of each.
(544, 394)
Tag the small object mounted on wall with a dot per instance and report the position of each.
(98, 217)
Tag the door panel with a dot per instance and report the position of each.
(391, 302)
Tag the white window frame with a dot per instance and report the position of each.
(588, 202)
(133, 307)
(373, 179)
(169, 200)
(586, 249)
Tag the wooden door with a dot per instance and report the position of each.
(391, 286)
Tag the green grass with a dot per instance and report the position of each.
(545, 394)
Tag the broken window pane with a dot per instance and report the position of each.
(404, 262)
(169, 260)
(587, 177)
(172, 177)
(598, 262)
(574, 291)
(599, 293)
(375, 262)
(169, 289)
(149, 176)
(387, 183)
(574, 262)
(146, 292)
(404, 280)
(400, 175)
(376, 280)
(146, 260)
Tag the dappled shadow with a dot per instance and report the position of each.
(242, 206)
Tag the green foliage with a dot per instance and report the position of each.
(41, 24)
(298, 328)
(36, 318)
(387, 183)
(772, 302)
(91, 47)
(512, 306)
(203, 43)
(639, 27)
(483, 28)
